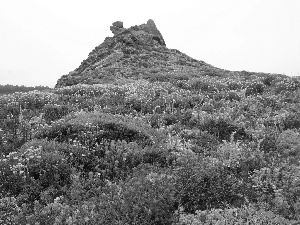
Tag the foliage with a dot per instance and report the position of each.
(233, 216)
(210, 147)
(206, 184)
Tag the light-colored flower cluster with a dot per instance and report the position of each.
(18, 162)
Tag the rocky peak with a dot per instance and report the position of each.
(142, 34)
(133, 53)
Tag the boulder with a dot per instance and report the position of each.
(118, 24)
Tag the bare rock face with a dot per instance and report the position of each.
(142, 34)
(117, 27)
(132, 53)
(118, 24)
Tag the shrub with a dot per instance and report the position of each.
(234, 85)
(206, 184)
(233, 216)
(9, 210)
(90, 128)
(222, 129)
(268, 144)
(34, 169)
(54, 112)
(254, 89)
(268, 80)
(291, 121)
(202, 85)
(278, 187)
(202, 142)
(233, 96)
(145, 198)
(288, 144)
(287, 84)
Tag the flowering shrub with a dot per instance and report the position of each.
(206, 184)
(286, 84)
(254, 88)
(54, 112)
(145, 198)
(233, 216)
(90, 128)
(9, 210)
(32, 170)
(222, 129)
(278, 186)
(288, 145)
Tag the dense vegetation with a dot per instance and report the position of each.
(9, 89)
(179, 150)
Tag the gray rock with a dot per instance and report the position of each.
(118, 24)
(116, 30)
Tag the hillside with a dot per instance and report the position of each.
(143, 134)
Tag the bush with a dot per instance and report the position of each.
(233, 96)
(233, 216)
(9, 210)
(92, 128)
(278, 187)
(268, 144)
(202, 142)
(206, 184)
(54, 112)
(34, 169)
(291, 121)
(268, 80)
(288, 144)
(223, 129)
(287, 84)
(254, 89)
(145, 198)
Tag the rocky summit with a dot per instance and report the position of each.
(138, 52)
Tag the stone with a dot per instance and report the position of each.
(116, 30)
(118, 24)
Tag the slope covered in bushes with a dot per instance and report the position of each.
(179, 142)
(202, 151)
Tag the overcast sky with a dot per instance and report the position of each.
(41, 40)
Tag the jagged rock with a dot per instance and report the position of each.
(116, 30)
(136, 52)
(118, 24)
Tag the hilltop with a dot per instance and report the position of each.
(134, 53)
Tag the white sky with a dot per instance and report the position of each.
(41, 40)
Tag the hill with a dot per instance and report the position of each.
(143, 134)
(134, 53)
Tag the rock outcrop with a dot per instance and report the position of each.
(133, 53)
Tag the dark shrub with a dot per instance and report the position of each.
(233, 96)
(254, 89)
(203, 142)
(54, 112)
(268, 80)
(291, 121)
(222, 129)
(234, 86)
(268, 144)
